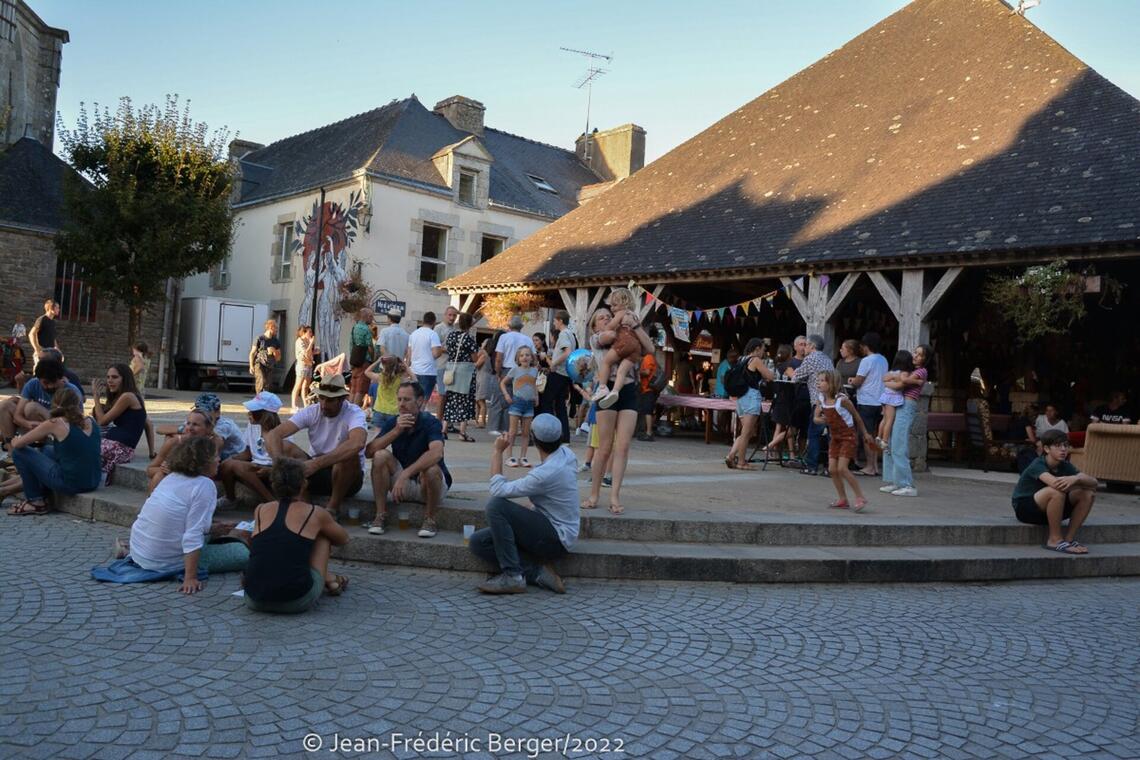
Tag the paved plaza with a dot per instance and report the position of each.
(1043, 669)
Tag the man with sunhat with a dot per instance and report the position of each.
(407, 461)
(334, 465)
(520, 539)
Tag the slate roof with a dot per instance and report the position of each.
(31, 186)
(951, 126)
(398, 140)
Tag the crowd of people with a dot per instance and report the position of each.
(833, 416)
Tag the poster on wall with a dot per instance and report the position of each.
(680, 320)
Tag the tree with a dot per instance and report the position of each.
(155, 203)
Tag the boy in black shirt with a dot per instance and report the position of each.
(1052, 490)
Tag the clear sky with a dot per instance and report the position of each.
(272, 68)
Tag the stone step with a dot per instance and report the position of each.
(729, 562)
(826, 528)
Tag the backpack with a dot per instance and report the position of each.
(659, 380)
(737, 381)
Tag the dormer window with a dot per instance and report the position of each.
(468, 183)
(542, 184)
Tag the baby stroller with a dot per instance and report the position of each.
(11, 360)
(336, 365)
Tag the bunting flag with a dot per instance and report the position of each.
(824, 279)
(800, 283)
(697, 315)
(722, 312)
(732, 310)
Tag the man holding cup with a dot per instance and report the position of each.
(407, 461)
(544, 530)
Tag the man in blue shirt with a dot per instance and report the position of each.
(407, 461)
(33, 405)
(544, 530)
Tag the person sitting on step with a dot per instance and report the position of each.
(1051, 490)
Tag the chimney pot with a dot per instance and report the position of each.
(462, 113)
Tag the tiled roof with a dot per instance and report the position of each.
(31, 186)
(399, 140)
(950, 126)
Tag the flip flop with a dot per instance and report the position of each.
(730, 463)
(588, 504)
(616, 509)
(467, 438)
(336, 586)
(1067, 547)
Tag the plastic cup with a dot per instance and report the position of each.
(405, 519)
(354, 516)
(468, 532)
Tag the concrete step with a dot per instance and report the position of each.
(824, 528)
(707, 561)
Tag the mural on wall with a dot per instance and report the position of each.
(336, 237)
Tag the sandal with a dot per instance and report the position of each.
(860, 504)
(467, 438)
(589, 504)
(839, 504)
(616, 508)
(336, 586)
(26, 507)
(744, 466)
(730, 463)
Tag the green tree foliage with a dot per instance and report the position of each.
(155, 204)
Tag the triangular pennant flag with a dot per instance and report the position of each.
(732, 310)
(824, 279)
(648, 297)
(697, 315)
(800, 284)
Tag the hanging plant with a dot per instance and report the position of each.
(1045, 299)
(498, 308)
(355, 293)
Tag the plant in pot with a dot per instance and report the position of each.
(1048, 298)
(355, 293)
(498, 308)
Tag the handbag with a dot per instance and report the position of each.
(457, 378)
(540, 382)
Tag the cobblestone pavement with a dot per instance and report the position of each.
(658, 670)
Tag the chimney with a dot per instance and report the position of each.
(614, 154)
(238, 148)
(463, 113)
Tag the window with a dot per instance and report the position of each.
(76, 298)
(220, 274)
(8, 20)
(433, 253)
(492, 247)
(283, 253)
(467, 185)
(542, 184)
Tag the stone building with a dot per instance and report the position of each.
(413, 196)
(92, 333)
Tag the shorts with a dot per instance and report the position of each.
(872, 415)
(358, 385)
(427, 382)
(414, 491)
(320, 482)
(843, 444)
(1027, 511)
(626, 345)
(307, 371)
(521, 408)
(292, 606)
(379, 418)
(749, 403)
(647, 402)
(627, 399)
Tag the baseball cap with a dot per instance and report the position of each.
(395, 313)
(332, 387)
(208, 402)
(264, 402)
(546, 428)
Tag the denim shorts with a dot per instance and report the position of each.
(521, 408)
(749, 403)
(379, 418)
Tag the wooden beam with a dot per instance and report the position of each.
(468, 302)
(912, 329)
(840, 295)
(567, 302)
(597, 299)
(888, 292)
(799, 300)
(949, 277)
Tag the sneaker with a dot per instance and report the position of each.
(513, 462)
(504, 584)
(379, 526)
(549, 580)
(608, 400)
(600, 394)
(585, 428)
(905, 491)
(494, 433)
(524, 462)
(584, 467)
(888, 488)
(644, 437)
(608, 481)
(427, 530)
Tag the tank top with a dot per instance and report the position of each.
(128, 427)
(278, 568)
(79, 458)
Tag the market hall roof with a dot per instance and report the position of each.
(398, 141)
(951, 126)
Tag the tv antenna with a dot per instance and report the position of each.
(594, 71)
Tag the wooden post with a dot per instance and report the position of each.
(821, 302)
(912, 305)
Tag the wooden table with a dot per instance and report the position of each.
(709, 404)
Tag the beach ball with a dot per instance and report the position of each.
(580, 366)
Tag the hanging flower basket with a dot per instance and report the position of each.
(1048, 298)
(354, 292)
(498, 308)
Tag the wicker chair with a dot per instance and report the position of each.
(1110, 453)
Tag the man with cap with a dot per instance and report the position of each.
(407, 461)
(815, 362)
(542, 531)
(251, 465)
(393, 339)
(334, 464)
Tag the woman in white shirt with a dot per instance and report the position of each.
(1051, 420)
(171, 529)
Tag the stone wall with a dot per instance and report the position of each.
(27, 277)
(30, 53)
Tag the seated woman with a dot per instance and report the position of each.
(289, 551)
(122, 414)
(252, 465)
(198, 425)
(171, 529)
(69, 466)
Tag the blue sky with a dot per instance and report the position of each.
(272, 69)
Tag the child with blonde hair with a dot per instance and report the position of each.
(842, 418)
(521, 397)
(392, 373)
(622, 345)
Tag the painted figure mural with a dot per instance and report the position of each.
(335, 238)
